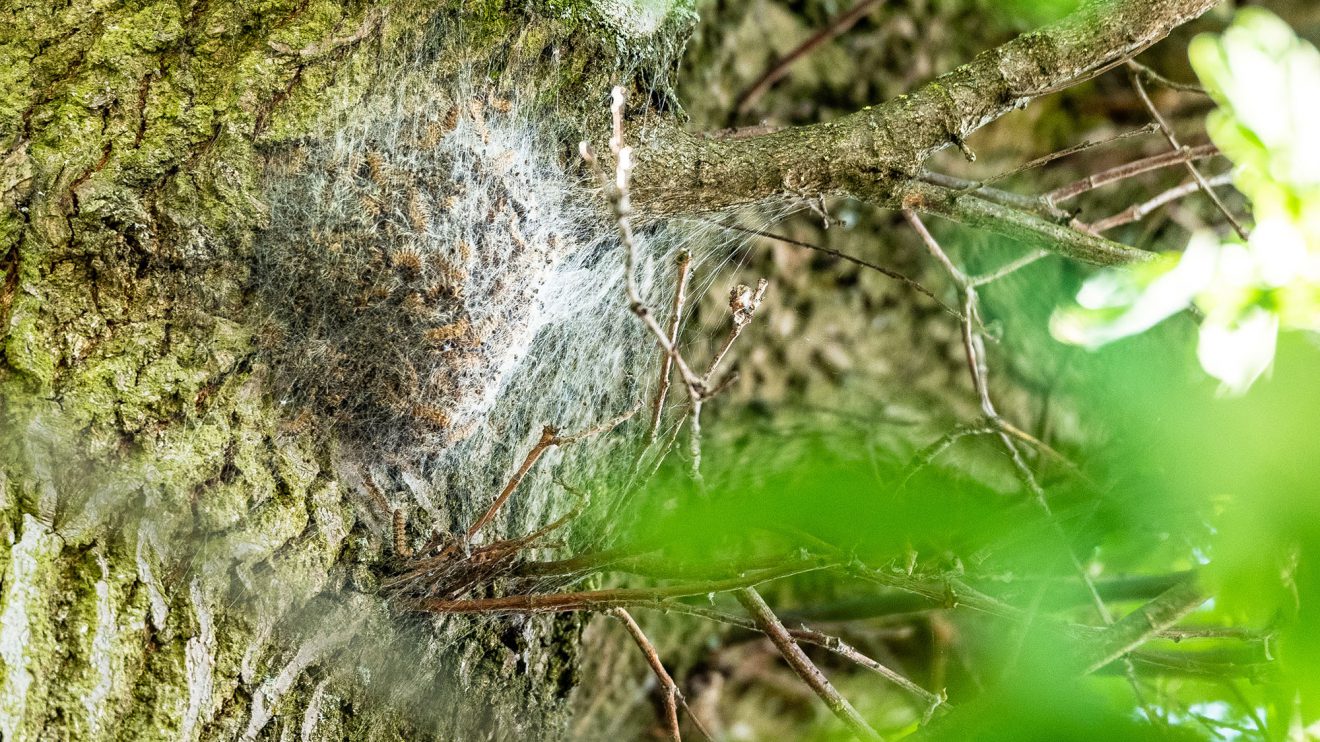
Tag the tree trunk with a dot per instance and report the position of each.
(270, 276)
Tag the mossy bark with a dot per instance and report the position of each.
(181, 557)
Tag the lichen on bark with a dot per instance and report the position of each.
(183, 557)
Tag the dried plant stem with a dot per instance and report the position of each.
(1191, 168)
(801, 664)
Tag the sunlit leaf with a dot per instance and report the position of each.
(1117, 303)
(1238, 353)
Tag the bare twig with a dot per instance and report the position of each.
(667, 360)
(936, 251)
(599, 600)
(820, 639)
(668, 688)
(743, 306)
(836, 27)
(1191, 168)
(974, 347)
(618, 194)
(1034, 204)
(1145, 623)
(743, 303)
(929, 453)
(891, 273)
(801, 664)
(1163, 81)
(1060, 154)
(847, 651)
(1131, 169)
(1136, 212)
(1023, 226)
(1007, 269)
(549, 437)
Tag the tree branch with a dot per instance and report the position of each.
(801, 664)
(868, 152)
(1145, 623)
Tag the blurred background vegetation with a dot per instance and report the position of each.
(848, 377)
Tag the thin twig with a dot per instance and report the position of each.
(667, 360)
(743, 303)
(1145, 623)
(974, 347)
(1034, 204)
(1058, 155)
(668, 688)
(928, 454)
(1131, 169)
(1161, 80)
(1191, 168)
(549, 437)
(617, 193)
(801, 664)
(1007, 269)
(816, 638)
(836, 27)
(599, 600)
(891, 273)
(546, 440)
(933, 247)
(1136, 212)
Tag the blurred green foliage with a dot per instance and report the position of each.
(1034, 13)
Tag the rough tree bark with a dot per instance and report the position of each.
(183, 557)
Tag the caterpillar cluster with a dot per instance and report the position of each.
(400, 272)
